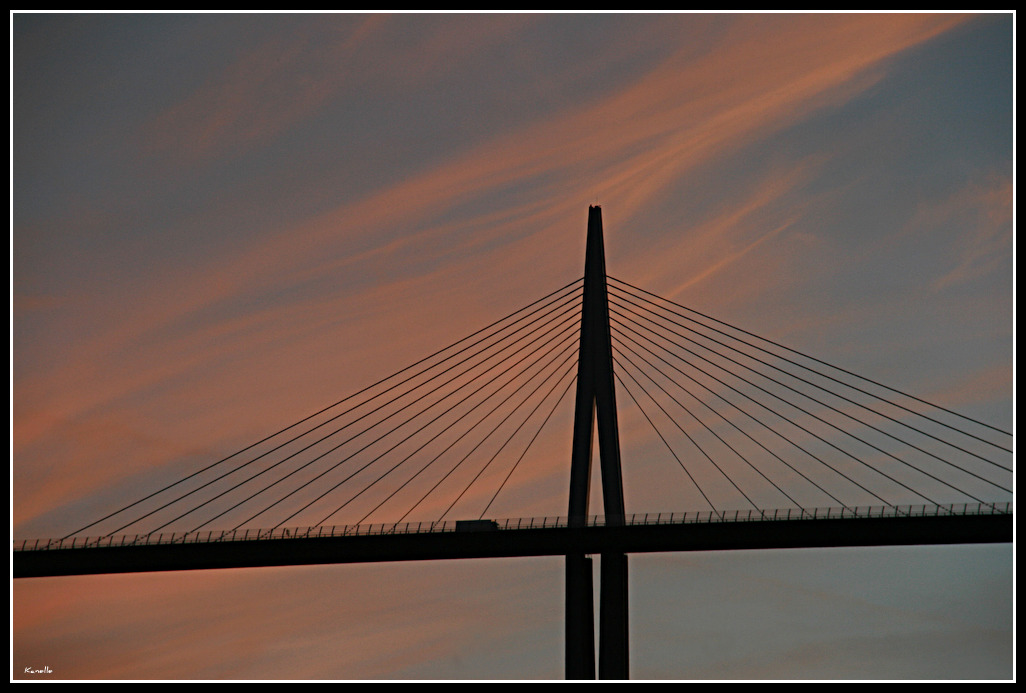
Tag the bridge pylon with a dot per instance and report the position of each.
(596, 408)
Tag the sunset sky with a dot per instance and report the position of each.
(221, 223)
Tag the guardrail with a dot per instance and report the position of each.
(702, 517)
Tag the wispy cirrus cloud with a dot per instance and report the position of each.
(625, 148)
(333, 199)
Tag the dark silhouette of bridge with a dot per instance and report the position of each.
(815, 455)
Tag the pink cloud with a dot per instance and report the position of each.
(678, 119)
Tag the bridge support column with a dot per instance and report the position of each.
(596, 405)
(613, 659)
(580, 619)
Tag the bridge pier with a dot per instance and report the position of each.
(580, 619)
(613, 658)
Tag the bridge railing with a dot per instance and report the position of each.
(693, 517)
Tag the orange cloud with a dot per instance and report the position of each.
(624, 149)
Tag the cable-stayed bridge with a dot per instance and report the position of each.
(768, 448)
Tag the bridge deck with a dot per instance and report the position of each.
(497, 541)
